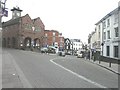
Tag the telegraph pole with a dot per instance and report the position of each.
(0, 24)
(119, 28)
(3, 12)
(0, 47)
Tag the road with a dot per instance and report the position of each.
(52, 71)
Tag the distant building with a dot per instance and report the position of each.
(67, 44)
(105, 38)
(93, 40)
(109, 34)
(22, 32)
(76, 44)
(53, 38)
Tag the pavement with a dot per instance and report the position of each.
(114, 67)
(11, 79)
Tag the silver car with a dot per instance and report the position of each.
(79, 55)
(61, 53)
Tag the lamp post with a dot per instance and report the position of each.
(0, 25)
(72, 47)
(3, 12)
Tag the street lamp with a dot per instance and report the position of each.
(72, 47)
(3, 12)
(119, 28)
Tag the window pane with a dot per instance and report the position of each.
(104, 35)
(116, 51)
(53, 33)
(108, 51)
(116, 32)
(108, 34)
(108, 22)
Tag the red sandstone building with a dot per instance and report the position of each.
(53, 38)
(22, 32)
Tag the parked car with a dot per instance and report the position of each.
(80, 55)
(61, 53)
(75, 54)
(44, 50)
(51, 49)
(68, 53)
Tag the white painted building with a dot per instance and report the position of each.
(93, 40)
(108, 30)
(76, 44)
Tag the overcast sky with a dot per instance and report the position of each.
(75, 19)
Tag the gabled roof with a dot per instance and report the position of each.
(75, 40)
(38, 18)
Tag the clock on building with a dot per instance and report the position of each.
(18, 14)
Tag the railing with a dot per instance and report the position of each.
(109, 60)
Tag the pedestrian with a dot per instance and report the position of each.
(94, 55)
(89, 55)
(86, 55)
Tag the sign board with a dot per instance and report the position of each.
(4, 12)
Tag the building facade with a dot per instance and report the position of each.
(53, 38)
(22, 32)
(109, 34)
(76, 44)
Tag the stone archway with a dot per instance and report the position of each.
(27, 43)
(13, 42)
(8, 42)
(4, 42)
(36, 43)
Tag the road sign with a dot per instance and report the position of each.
(4, 12)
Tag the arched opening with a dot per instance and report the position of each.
(37, 43)
(4, 42)
(13, 42)
(8, 42)
(27, 43)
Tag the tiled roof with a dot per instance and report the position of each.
(11, 22)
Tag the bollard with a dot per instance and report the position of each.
(99, 61)
(94, 59)
(110, 64)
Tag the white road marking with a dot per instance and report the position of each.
(82, 77)
(13, 74)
